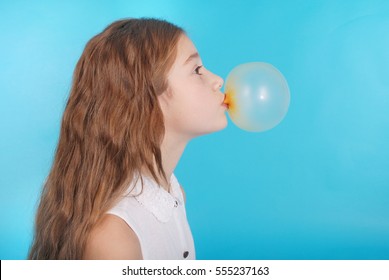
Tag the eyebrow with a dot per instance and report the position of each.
(191, 57)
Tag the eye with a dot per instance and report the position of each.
(197, 70)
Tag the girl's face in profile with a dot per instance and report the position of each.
(193, 103)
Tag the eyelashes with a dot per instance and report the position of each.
(197, 70)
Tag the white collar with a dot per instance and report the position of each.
(156, 199)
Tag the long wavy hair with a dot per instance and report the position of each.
(112, 129)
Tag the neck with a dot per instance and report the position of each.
(172, 149)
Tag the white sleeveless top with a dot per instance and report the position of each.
(158, 218)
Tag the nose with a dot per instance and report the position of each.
(217, 82)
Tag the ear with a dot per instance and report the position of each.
(164, 99)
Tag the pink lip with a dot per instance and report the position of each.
(224, 103)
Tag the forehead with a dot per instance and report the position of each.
(185, 50)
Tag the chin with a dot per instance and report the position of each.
(220, 126)
(225, 124)
(211, 128)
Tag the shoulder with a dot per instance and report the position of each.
(112, 239)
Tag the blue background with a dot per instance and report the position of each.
(314, 187)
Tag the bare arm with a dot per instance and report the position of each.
(112, 239)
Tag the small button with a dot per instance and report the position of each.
(186, 254)
(176, 203)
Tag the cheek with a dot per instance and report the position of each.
(195, 116)
(189, 97)
(193, 101)
(189, 112)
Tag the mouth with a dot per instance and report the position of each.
(225, 102)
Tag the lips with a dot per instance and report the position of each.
(225, 102)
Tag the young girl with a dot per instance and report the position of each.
(140, 93)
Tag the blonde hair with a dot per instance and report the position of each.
(112, 128)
